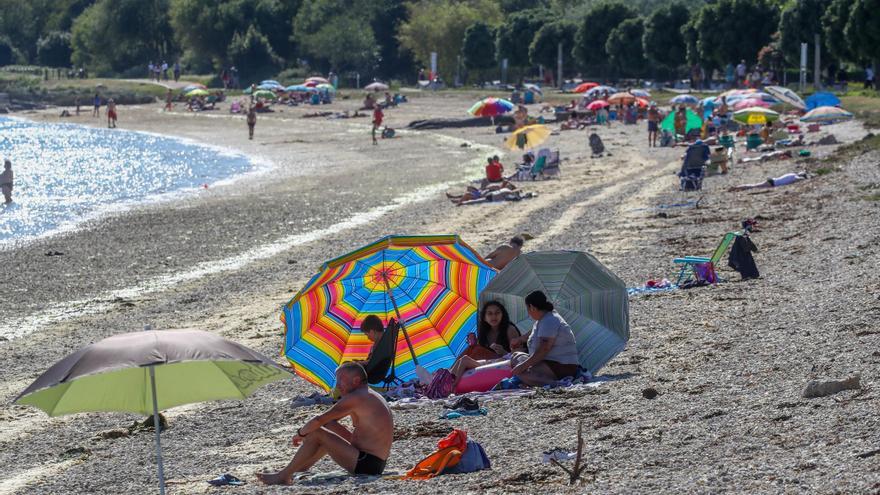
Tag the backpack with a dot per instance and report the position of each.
(441, 384)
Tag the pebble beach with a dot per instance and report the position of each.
(706, 398)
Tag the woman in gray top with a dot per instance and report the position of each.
(552, 346)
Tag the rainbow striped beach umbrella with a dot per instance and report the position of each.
(431, 284)
(490, 107)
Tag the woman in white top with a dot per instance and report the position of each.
(552, 346)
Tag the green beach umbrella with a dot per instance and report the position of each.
(198, 92)
(591, 298)
(268, 95)
(693, 121)
(145, 372)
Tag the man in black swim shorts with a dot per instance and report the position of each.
(362, 450)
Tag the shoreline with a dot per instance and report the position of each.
(729, 361)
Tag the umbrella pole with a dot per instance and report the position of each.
(401, 323)
(156, 424)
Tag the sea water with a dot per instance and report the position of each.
(66, 174)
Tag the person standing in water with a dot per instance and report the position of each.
(6, 182)
(111, 113)
(251, 121)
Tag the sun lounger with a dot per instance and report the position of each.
(688, 263)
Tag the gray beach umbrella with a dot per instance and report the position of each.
(591, 298)
(145, 372)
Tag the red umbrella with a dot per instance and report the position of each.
(642, 103)
(596, 105)
(583, 88)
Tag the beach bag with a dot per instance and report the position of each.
(448, 454)
(473, 459)
(441, 384)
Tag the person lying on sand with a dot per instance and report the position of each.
(552, 346)
(492, 341)
(473, 193)
(363, 450)
(502, 255)
(782, 180)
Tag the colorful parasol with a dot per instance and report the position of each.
(197, 92)
(317, 80)
(749, 103)
(621, 98)
(431, 283)
(584, 87)
(598, 91)
(596, 105)
(528, 137)
(299, 88)
(786, 96)
(685, 100)
(826, 114)
(692, 121)
(490, 107)
(747, 114)
(641, 93)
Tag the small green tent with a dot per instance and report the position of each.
(693, 121)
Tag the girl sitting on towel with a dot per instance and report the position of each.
(492, 342)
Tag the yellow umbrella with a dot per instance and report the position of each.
(528, 137)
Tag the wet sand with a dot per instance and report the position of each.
(729, 361)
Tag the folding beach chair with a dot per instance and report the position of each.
(540, 163)
(380, 366)
(689, 263)
(551, 167)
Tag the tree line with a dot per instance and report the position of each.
(394, 38)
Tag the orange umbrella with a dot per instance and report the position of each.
(642, 103)
(583, 88)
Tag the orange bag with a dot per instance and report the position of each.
(449, 452)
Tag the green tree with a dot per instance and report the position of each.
(9, 54)
(54, 49)
(593, 31)
(393, 61)
(664, 42)
(17, 23)
(514, 36)
(439, 26)
(252, 54)
(206, 27)
(478, 48)
(732, 30)
(834, 28)
(514, 6)
(863, 30)
(119, 35)
(342, 43)
(544, 49)
(624, 47)
(799, 22)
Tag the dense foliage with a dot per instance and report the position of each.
(395, 38)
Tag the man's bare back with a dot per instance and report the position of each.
(372, 422)
(502, 255)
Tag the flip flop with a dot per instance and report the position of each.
(226, 480)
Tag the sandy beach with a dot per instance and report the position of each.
(729, 362)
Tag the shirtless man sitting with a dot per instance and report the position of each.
(502, 255)
(361, 451)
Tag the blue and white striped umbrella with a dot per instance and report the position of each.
(591, 298)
